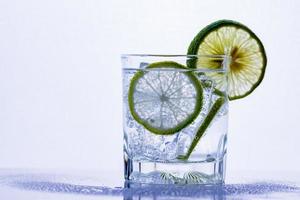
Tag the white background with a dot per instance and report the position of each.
(60, 78)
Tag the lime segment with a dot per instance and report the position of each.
(248, 58)
(165, 97)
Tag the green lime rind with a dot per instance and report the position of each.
(205, 124)
(196, 42)
(184, 123)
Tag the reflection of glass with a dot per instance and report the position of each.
(175, 119)
(134, 191)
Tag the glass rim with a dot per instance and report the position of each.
(226, 60)
(176, 55)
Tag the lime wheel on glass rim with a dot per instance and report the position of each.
(248, 57)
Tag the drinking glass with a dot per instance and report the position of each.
(175, 118)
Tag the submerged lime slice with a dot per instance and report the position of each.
(165, 100)
(248, 58)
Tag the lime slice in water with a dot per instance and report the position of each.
(165, 97)
(248, 58)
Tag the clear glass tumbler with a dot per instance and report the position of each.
(175, 118)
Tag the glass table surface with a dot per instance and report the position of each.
(18, 184)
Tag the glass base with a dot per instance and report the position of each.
(175, 173)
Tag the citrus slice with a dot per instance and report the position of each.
(165, 97)
(248, 58)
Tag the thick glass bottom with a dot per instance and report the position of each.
(208, 172)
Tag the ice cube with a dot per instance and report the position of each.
(169, 149)
(184, 141)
